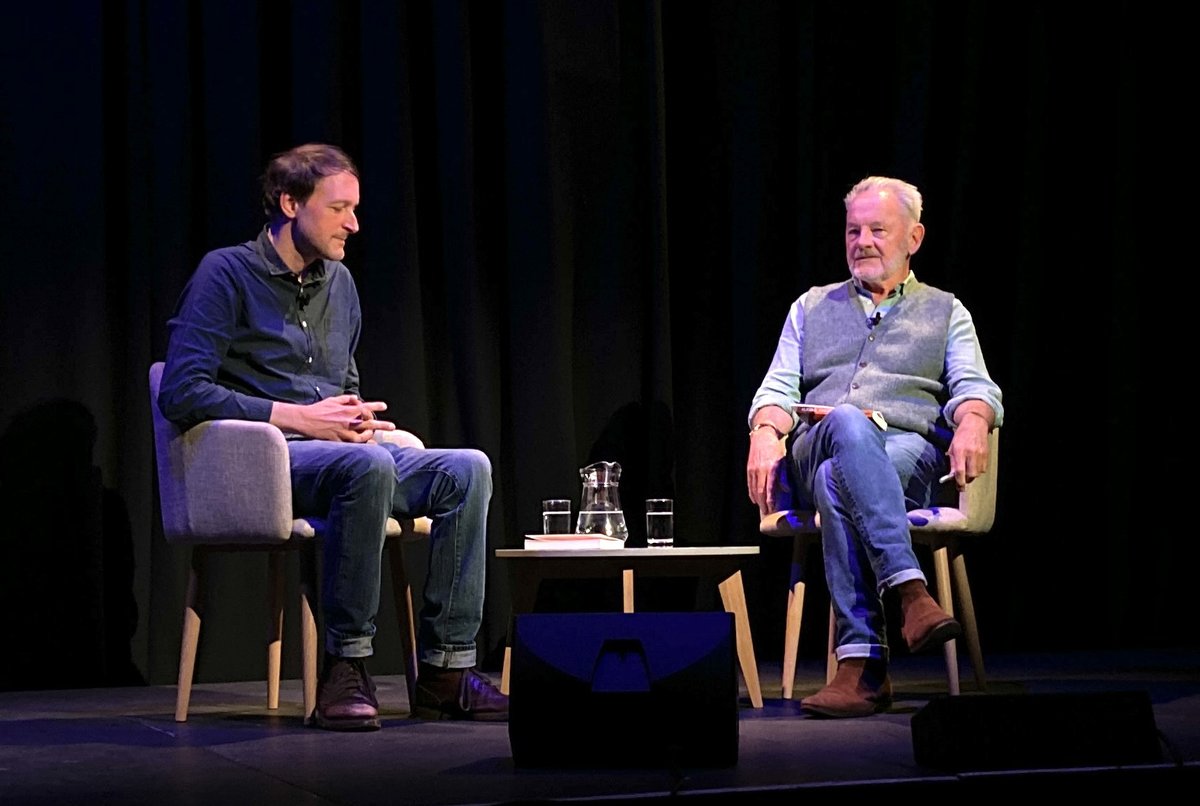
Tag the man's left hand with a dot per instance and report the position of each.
(969, 448)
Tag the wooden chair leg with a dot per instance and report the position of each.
(970, 628)
(795, 612)
(791, 637)
(309, 645)
(274, 625)
(405, 617)
(941, 568)
(831, 648)
(193, 614)
(733, 596)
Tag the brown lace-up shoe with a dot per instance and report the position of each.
(861, 687)
(346, 696)
(923, 622)
(457, 694)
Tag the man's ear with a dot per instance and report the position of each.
(288, 205)
(915, 237)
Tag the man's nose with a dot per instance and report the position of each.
(351, 223)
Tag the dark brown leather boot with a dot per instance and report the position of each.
(457, 694)
(861, 687)
(346, 696)
(923, 622)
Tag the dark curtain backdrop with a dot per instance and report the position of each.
(582, 225)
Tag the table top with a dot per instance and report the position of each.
(631, 553)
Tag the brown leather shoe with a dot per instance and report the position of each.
(923, 622)
(861, 687)
(346, 696)
(457, 694)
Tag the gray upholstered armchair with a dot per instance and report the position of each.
(224, 486)
(945, 529)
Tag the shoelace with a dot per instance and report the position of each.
(349, 678)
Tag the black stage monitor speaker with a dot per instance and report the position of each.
(623, 690)
(988, 732)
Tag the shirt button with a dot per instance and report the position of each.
(854, 386)
(303, 324)
(862, 363)
(310, 359)
(871, 337)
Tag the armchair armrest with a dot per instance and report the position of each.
(406, 439)
(227, 481)
(975, 508)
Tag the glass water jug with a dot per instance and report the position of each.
(600, 504)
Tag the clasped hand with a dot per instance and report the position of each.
(343, 418)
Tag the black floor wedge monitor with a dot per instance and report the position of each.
(624, 690)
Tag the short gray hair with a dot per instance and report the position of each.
(908, 194)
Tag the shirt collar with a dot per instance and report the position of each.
(275, 264)
(896, 292)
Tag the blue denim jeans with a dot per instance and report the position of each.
(358, 486)
(863, 481)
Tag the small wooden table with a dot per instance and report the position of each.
(530, 566)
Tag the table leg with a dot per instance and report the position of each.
(526, 581)
(733, 595)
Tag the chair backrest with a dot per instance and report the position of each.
(222, 481)
(169, 483)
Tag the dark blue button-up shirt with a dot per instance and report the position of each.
(247, 331)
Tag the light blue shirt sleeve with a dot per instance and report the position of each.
(781, 385)
(966, 373)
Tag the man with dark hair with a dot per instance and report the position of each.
(267, 330)
(296, 172)
(879, 341)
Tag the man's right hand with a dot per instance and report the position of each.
(763, 467)
(344, 418)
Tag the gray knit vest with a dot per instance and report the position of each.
(895, 366)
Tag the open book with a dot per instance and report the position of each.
(573, 541)
(810, 413)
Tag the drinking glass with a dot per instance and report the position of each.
(556, 516)
(660, 522)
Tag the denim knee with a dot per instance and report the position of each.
(848, 421)
(474, 469)
(372, 466)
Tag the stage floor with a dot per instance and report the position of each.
(122, 745)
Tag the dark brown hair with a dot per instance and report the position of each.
(297, 171)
